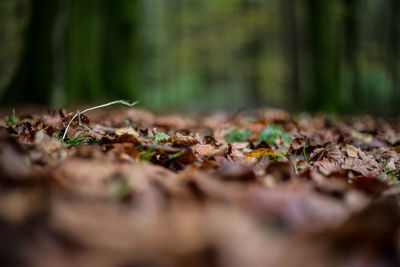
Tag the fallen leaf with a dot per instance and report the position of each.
(365, 138)
(261, 153)
(351, 151)
(360, 166)
(124, 138)
(185, 139)
(203, 150)
(126, 130)
(326, 167)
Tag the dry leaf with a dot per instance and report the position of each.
(359, 165)
(326, 167)
(351, 151)
(203, 150)
(126, 130)
(185, 139)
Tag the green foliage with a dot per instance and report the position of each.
(271, 132)
(80, 139)
(394, 180)
(11, 120)
(296, 167)
(158, 136)
(237, 135)
(391, 174)
(147, 154)
(56, 135)
(304, 153)
(176, 155)
(96, 47)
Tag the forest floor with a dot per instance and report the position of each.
(130, 188)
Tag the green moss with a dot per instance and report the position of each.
(237, 135)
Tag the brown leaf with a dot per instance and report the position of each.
(352, 151)
(75, 123)
(45, 143)
(326, 167)
(124, 138)
(368, 184)
(19, 205)
(185, 139)
(360, 166)
(303, 209)
(234, 153)
(236, 172)
(126, 130)
(332, 184)
(187, 158)
(334, 153)
(203, 150)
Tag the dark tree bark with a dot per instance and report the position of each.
(290, 46)
(351, 49)
(119, 54)
(324, 67)
(394, 54)
(33, 80)
(252, 52)
(84, 43)
(14, 17)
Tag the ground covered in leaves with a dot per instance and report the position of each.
(126, 187)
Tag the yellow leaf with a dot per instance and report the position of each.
(126, 130)
(260, 153)
(365, 138)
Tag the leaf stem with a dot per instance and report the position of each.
(78, 113)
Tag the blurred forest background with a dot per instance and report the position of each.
(315, 55)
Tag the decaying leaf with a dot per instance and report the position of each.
(185, 139)
(126, 130)
(261, 153)
(361, 166)
(351, 151)
(194, 194)
(203, 150)
(327, 167)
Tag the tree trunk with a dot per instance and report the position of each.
(253, 49)
(290, 45)
(119, 50)
(351, 50)
(325, 95)
(33, 80)
(394, 54)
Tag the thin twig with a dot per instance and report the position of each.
(78, 113)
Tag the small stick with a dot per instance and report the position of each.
(78, 113)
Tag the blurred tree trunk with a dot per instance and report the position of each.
(393, 54)
(351, 50)
(290, 46)
(119, 48)
(14, 16)
(253, 49)
(324, 95)
(33, 80)
(173, 44)
(58, 46)
(83, 51)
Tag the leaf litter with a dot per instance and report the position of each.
(132, 188)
